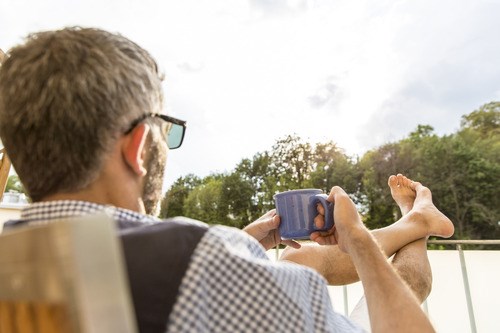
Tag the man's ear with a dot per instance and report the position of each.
(133, 149)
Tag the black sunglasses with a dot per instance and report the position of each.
(173, 129)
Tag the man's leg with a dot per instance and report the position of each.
(413, 267)
(412, 264)
(420, 220)
(411, 261)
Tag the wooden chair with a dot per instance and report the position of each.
(4, 159)
(64, 276)
(4, 171)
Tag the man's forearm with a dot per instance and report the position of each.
(391, 304)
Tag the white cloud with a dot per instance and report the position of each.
(243, 73)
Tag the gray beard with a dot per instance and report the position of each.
(153, 181)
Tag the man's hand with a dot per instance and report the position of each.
(347, 221)
(265, 230)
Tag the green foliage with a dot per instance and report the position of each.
(331, 166)
(204, 202)
(14, 184)
(291, 162)
(462, 169)
(485, 120)
(173, 202)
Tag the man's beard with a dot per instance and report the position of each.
(153, 181)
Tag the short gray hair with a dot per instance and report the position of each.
(65, 97)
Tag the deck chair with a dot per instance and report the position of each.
(65, 276)
(4, 171)
(4, 159)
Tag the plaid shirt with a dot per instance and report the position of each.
(230, 284)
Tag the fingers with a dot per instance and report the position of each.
(319, 221)
(269, 222)
(291, 243)
(265, 224)
(273, 222)
(270, 213)
(320, 208)
(324, 237)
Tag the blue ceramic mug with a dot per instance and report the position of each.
(297, 210)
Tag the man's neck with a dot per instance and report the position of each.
(104, 195)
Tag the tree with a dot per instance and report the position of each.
(259, 174)
(331, 166)
(485, 120)
(204, 202)
(173, 202)
(291, 162)
(237, 199)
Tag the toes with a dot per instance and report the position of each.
(415, 185)
(400, 179)
(393, 181)
(406, 182)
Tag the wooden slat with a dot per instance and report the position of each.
(24, 318)
(27, 317)
(4, 172)
(6, 317)
(51, 318)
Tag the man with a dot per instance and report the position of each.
(80, 117)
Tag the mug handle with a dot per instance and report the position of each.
(327, 206)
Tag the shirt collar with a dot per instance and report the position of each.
(42, 212)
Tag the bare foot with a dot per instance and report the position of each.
(423, 207)
(402, 192)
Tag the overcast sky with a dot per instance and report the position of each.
(244, 73)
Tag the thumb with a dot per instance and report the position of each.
(271, 223)
(334, 192)
(264, 225)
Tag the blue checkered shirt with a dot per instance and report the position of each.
(230, 284)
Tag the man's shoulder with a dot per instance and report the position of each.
(174, 224)
(174, 233)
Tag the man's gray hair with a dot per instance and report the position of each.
(65, 97)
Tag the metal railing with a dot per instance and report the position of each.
(465, 276)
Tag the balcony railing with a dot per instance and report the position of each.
(465, 275)
(458, 244)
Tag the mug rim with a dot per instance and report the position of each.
(305, 190)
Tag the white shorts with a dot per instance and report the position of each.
(360, 315)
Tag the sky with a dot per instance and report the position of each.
(244, 73)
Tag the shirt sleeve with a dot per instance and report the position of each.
(232, 286)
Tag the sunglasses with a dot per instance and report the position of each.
(173, 129)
